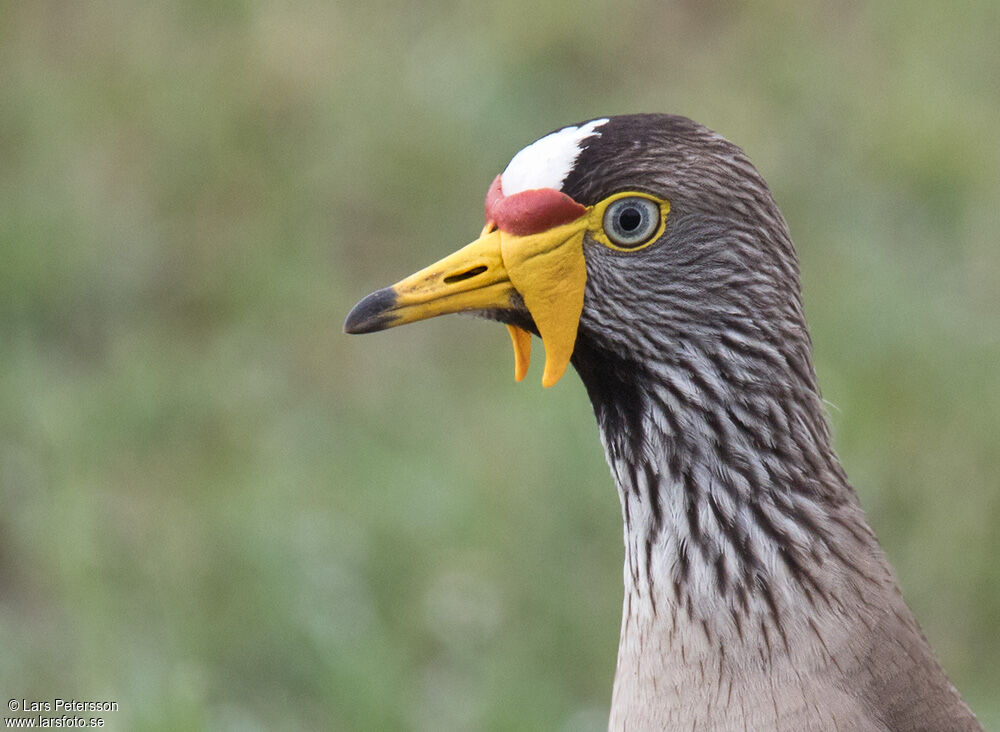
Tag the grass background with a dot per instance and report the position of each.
(221, 512)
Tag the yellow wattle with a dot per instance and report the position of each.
(521, 340)
(549, 272)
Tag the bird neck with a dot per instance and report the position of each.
(754, 587)
(739, 522)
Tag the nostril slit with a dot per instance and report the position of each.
(452, 279)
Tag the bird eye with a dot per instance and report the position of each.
(630, 222)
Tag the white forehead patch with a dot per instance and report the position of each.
(545, 163)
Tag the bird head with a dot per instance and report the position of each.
(615, 240)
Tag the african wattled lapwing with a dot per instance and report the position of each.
(647, 251)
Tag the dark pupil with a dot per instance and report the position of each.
(629, 219)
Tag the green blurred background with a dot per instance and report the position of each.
(221, 512)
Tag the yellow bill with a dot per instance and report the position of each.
(546, 270)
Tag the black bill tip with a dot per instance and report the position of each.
(372, 313)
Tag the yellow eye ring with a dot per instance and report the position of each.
(628, 221)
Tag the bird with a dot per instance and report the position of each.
(648, 252)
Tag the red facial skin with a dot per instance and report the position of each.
(530, 212)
